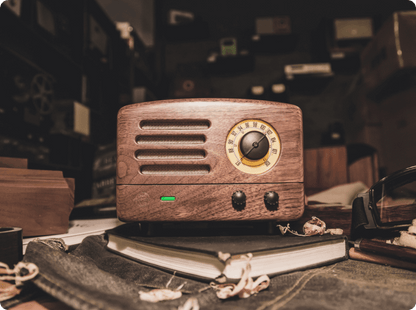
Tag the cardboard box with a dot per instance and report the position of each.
(390, 56)
(398, 114)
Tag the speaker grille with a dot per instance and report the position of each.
(171, 139)
(174, 169)
(175, 124)
(171, 147)
(170, 154)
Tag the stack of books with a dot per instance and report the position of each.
(208, 256)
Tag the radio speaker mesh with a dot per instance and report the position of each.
(175, 124)
(171, 139)
(175, 169)
(170, 154)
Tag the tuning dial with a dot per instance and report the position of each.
(254, 145)
(271, 200)
(238, 200)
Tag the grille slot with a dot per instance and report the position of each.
(171, 139)
(175, 124)
(170, 154)
(175, 169)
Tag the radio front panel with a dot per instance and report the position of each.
(201, 152)
(164, 144)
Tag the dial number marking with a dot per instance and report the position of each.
(256, 146)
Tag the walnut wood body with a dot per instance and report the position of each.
(211, 200)
(38, 201)
(207, 202)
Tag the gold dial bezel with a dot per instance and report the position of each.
(234, 154)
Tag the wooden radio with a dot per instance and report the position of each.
(209, 160)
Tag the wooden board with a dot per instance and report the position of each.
(365, 170)
(325, 167)
(38, 201)
(11, 162)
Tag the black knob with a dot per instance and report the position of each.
(254, 145)
(238, 200)
(271, 200)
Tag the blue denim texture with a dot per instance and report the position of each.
(90, 277)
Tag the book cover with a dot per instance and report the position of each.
(212, 256)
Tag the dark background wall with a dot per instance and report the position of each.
(78, 49)
(321, 108)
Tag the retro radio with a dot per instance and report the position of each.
(209, 160)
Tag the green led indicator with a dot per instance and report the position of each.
(167, 198)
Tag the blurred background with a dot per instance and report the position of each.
(67, 67)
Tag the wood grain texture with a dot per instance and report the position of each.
(36, 200)
(396, 213)
(6, 173)
(207, 202)
(378, 246)
(364, 170)
(11, 162)
(380, 259)
(223, 114)
(204, 202)
(325, 167)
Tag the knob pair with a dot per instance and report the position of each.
(271, 200)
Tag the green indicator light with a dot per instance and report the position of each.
(167, 198)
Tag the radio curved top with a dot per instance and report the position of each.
(213, 147)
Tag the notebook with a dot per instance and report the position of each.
(211, 257)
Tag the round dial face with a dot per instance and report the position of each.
(253, 146)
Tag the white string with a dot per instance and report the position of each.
(159, 295)
(313, 227)
(190, 304)
(170, 280)
(16, 274)
(245, 287)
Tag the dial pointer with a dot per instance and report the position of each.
(254, 145)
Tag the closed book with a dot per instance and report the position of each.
(211, 257)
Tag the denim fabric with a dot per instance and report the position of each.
(91, 277)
